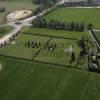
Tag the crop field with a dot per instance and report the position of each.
(24, 80)
(12, 5)
(76, 15)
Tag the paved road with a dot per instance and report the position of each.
(16, 29)
(25, 22)
(96, 30)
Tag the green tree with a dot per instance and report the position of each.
(45, 3)
(90, 26)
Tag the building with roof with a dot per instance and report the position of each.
(81, 2)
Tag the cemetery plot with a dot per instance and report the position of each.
(48, 49)
(59, 51)
(56, 51)
(19, 47)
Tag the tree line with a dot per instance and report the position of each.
(35, 44)
(56, 24)
(45, 3)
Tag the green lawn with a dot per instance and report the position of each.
(97, 33)
(12, 5)
(4, 30)
(76, 15)
(58, 33)
(23, 80)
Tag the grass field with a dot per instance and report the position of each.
(76, 15)
(4, 30)
(12, 5)
(57, 33)
(23, 80)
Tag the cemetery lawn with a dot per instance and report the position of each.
(85, 15)
(63, 41)
(25, 80)
(56, 33)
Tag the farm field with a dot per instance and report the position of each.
(24, 80)
(4, 30)
(12, 5)
(76, 15)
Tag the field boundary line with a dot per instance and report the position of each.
(51, 36)
(59, 37)
(42, 62)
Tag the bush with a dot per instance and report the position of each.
(2, 9)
